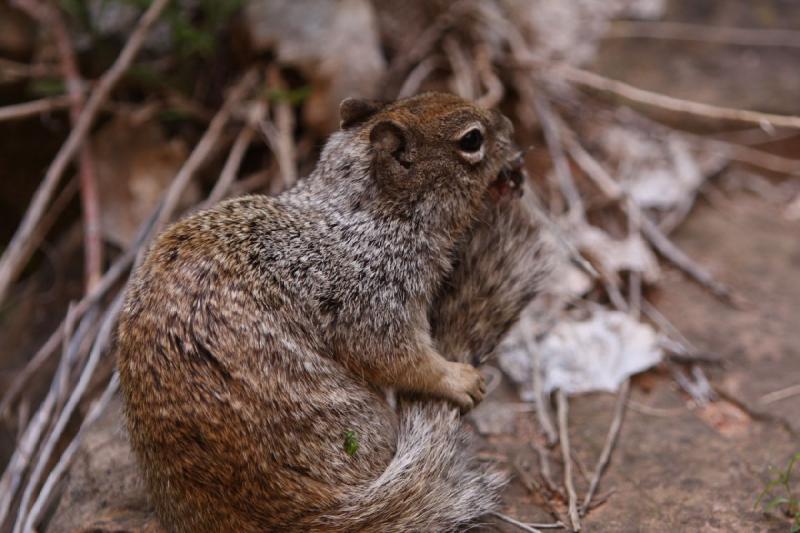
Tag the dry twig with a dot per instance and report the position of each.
(670, 103)
(204, 147)
(611, 440)
(49, 16)
(494, 86)
(280, 135)
(13, 259)
(534, 528)
(417, 76)
(34, 107)
(650, 230)
(65, 460)
(234, 161)
(99, 347)
(682, 31)
(566, 452)
(779, 395)
(552, 136)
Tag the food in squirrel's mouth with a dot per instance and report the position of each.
(510, 179)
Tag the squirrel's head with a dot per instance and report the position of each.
(431, 151)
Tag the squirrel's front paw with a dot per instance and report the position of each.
(465, 386)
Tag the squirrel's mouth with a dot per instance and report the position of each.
(509, 180)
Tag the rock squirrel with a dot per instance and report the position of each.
(258, 337)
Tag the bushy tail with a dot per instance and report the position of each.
(432, 484)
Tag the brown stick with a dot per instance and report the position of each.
(566, 453)
(280, 135)
(65, 460)
(611, 440)
(232, 164)
(566, 181)
(34, 107)
(100, 344)
(779, 395)
(681, 31)
(533, 528)
(417, 76)
(669, 103)
(206, 145)
(13, 259)
(494, 86)
(14, 70)
(12, 476)
(90, 203)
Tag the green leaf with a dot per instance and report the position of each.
(350, 442)
(291, 96)
(775, 502)
(48, 87)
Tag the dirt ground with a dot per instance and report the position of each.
(679, 467)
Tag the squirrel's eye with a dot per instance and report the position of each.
(471, 141)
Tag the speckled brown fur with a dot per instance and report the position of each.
(257, 334)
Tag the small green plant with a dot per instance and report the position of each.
(291, 96)
(350, 442)
(778, 494)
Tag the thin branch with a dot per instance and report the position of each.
(566, 180)
(12, 259)
(608, 448)
(681, 31)
(90, 203)
(14, 70)
(97, 409)
(206, 145)
(534, 528)
(99, 347)
(670, 103)
(544, 466)
(542, 409)
(234, 161)
(566, 452)
(232, 165)
(418, 75)
(34, 107)
(464, 79)
(734, 151)
(12, 476)
(650, 230)
(280, 135)
(680, 259)
(779, 395)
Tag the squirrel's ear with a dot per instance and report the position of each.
(388, 137)
(353, 111)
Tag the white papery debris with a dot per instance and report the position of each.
(616, 255)
(579, 356)
(597, 354)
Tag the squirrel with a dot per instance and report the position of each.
(258, 337)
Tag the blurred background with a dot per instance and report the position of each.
(654, 387)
